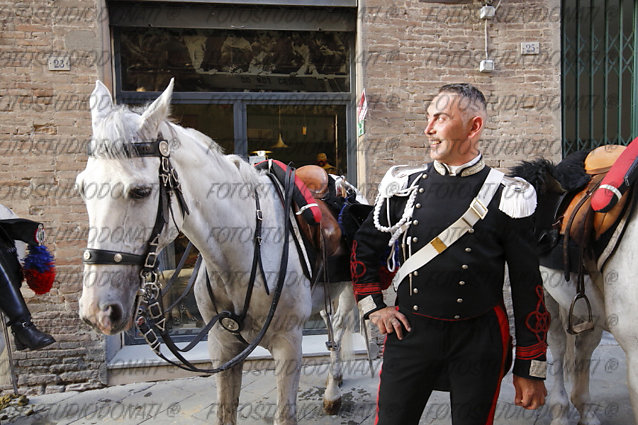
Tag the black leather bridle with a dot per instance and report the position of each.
(150, 288)
(168, 182)
(150, 319)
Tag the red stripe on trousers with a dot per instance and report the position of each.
(376, 414)
(501, 315)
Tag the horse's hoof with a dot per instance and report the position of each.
(331, 407)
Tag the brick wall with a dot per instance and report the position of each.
(43, 133)
(410, 48)
(406, 50)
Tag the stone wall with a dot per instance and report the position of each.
(43, 134)
(405, 51)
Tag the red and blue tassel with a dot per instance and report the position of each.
(39, 269)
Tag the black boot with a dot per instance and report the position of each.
(26, 335)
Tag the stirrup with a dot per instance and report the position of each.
(585, 326)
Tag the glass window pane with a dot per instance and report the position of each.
(184, 315)
(215, 121)
(299, 134)
(232, 60)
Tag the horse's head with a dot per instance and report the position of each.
(122, 191)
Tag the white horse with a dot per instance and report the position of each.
(121, 192)
(613, 294)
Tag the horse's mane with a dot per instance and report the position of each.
(569, 173)
(534, 172)
(113, 133)
(247, 172)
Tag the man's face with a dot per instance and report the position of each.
(448, 129)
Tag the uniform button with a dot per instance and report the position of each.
(471, 230)
(465, 267)
(459, 300)
(415, 239)
(415, 290)
(421, 190)
(457, 317)
(468, 249)
(415, 222)
(424, 176)
(461, 282)
(415, 273)
(417, 205)
(415, 308)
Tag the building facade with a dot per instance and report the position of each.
(286, 79)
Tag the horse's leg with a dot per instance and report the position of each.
(585, 345)
(222, 347)
(557, 339)
(286, 351)
(622, 326)
(343, 321)
(632, 377)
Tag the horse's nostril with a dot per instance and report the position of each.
(115, 312)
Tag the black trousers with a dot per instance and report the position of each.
(468, 355)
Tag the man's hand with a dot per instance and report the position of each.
(530, 393)
(389, 320)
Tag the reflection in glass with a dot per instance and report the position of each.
(215, 121)
(231, 60)
(300, 134)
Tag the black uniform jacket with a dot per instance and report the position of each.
(465, 280)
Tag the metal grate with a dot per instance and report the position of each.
(599, 73)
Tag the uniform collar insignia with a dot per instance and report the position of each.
(465, 170)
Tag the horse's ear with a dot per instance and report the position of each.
(156, 113)
(100, 102)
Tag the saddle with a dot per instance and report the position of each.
(317, 181)
(316, 206)
(579, 221)
(326, 238)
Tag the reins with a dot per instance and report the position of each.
(150, 319)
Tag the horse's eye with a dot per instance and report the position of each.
(140, 192)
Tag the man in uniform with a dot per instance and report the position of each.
(457, 222)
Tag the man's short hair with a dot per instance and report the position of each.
(475, 100)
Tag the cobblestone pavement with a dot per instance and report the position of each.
(192, 400)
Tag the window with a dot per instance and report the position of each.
(281, 91)
(299, 134)
(234, 61)
(599, 69)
